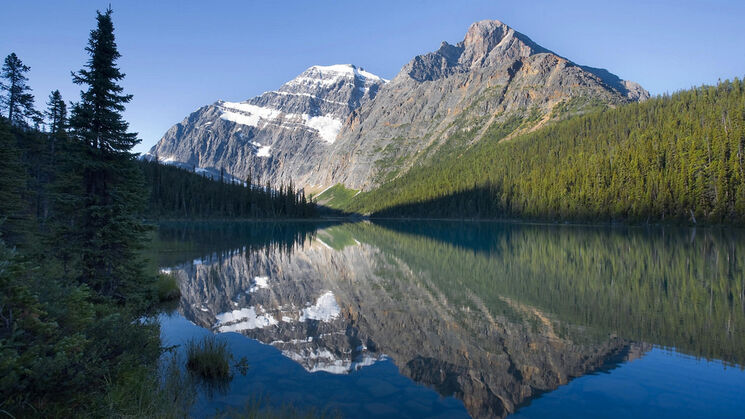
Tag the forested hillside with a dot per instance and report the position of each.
(74, 296)
(678, 157)
(179, 193)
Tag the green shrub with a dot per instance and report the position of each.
(209, 359)
(167, 286)
(142, 392)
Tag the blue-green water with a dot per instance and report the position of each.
(451, 319)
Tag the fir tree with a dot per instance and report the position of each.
(18, 100)
(47, 153)
(57, 117)
(56, 114)
(113, 196)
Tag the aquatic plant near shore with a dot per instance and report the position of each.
(209, 359)
(167, 286)
(142, 392)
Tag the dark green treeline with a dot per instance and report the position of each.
(74, 294)
(675, 157)
(179, 193)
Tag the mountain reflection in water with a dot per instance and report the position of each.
(493, 314)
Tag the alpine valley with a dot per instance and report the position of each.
(495, 126)
(496, 231)
(340, 125)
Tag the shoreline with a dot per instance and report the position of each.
(362, 218)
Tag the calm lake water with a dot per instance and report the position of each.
(458, 319)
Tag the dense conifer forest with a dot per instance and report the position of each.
(180, 193)
(76, 205)
(73, 205)
(677, 158)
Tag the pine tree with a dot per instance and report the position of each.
(17, 100)
(56, 114)
(57, 117)
(113, 195)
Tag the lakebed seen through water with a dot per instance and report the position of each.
(458, 319)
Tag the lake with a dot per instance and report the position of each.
(458, 319)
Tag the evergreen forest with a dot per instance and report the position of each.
(676, 158)
(78, 208)
(179, 193)
(75, 211)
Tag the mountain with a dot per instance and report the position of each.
(675, 158)
(279, 136)
(495, 78)
(339, 124)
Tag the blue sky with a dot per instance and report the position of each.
(180, 55)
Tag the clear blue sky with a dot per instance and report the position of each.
(180, 55)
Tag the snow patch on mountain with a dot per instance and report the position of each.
(247, 114)
(346, 70)
(243, 319)
(261, 150)
(330, 75)
(310, 95)
(259, 282)
(325, 309)
(326, 126)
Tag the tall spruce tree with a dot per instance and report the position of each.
(57, 117)
(110, 227)
(17, 99)
(56, 114)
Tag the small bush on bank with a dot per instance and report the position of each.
(168, 289)
(167, 393)
(209, 359)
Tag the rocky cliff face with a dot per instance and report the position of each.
(495, 76)
(339, 124)
(339, 309)
(279, 136)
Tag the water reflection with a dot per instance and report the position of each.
(493, 314)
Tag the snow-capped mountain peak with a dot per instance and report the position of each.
(295, 122)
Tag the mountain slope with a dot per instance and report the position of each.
(279, 136)
(679, 157)
(445, 100)
(339, 124)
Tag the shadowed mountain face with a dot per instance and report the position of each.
(461, 319)
(340, 124)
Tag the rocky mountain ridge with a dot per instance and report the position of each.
(276, 136)
(339, 124)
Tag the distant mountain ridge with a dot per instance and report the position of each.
(275, 136)
(340, 124)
